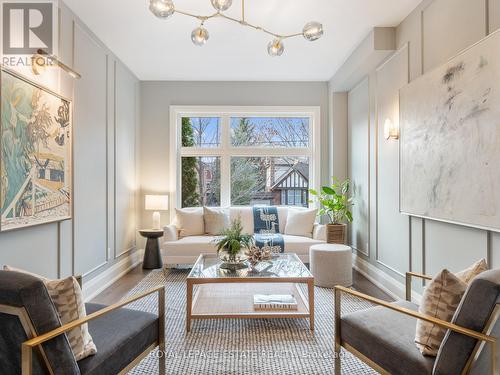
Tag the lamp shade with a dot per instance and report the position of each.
(156, 202)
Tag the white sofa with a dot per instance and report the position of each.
(186, 250)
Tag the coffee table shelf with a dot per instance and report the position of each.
(236, 301)
(214, 293)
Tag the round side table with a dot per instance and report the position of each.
(152, 256)
(331, 264)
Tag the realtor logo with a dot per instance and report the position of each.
(27, 27)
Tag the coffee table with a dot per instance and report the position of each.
(215, 293)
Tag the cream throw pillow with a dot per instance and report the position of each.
(470, 273)
(190, 222)
(300, 222)
(440, 300)
(216, 220)
(68, 300)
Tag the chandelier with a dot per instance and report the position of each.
(165, 8)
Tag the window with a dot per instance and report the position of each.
(244, 156)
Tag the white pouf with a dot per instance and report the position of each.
(331, 265)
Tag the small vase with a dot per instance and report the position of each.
(336, 233)
(232, 261)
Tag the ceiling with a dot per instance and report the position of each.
(156, 49)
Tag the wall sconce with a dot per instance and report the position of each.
(41, 60)
(391, 131)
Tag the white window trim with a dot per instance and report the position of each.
(225, 113)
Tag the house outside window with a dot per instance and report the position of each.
(228, 156)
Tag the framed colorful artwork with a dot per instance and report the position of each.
(36, 154)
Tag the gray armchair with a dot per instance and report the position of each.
(383, 336)
(34, 342)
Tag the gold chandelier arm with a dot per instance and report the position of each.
(244, 23)
(201, 18)
(240, 21)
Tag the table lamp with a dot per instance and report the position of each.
(156, 203)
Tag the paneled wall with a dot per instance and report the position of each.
(102, 233)
(433, 33)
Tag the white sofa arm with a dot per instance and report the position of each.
(170, 233)
(319, 232)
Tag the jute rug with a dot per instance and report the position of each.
(244, 346)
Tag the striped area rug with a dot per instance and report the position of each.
(244, 346)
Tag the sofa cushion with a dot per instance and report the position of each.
(300, 222)
(196, 245)
(190, 246)
(121, 336)
(299, 245)
(216, 220)
(245, 214)
(386, 337)
(190, 221)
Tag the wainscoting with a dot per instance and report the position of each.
(101, 237)
(387, 243)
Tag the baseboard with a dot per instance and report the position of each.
(96, 285)
(382, 280)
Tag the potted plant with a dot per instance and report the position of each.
(232, 244)
(335, 203)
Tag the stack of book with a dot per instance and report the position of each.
(274, 302)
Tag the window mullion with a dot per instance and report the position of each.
(225, 161)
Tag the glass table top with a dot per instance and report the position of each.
(280, 266)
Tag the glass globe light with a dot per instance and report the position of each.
(222, 5)
(312, 31)
(275, 47)
(199, 36)
(162, 8)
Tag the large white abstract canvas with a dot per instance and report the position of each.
(450, 140)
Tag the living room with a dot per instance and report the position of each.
(250, 187)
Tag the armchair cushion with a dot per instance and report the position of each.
(386, 337)
(121, 336)
(473, 312)
(67, 297)
(24, 290)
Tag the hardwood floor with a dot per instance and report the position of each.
(121, 287)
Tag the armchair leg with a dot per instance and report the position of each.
(494, 369)
(161, 332)
(161, 361)
(26, 358)
(338, 364)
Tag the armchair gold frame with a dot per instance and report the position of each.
(482, 337)
(36, 341)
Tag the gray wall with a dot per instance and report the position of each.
(105, 103)
(433, 33)
(156, 97)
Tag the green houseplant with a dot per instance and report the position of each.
(335, 204)
(232, 244)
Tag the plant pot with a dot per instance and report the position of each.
(336, 233)
(231, 261)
